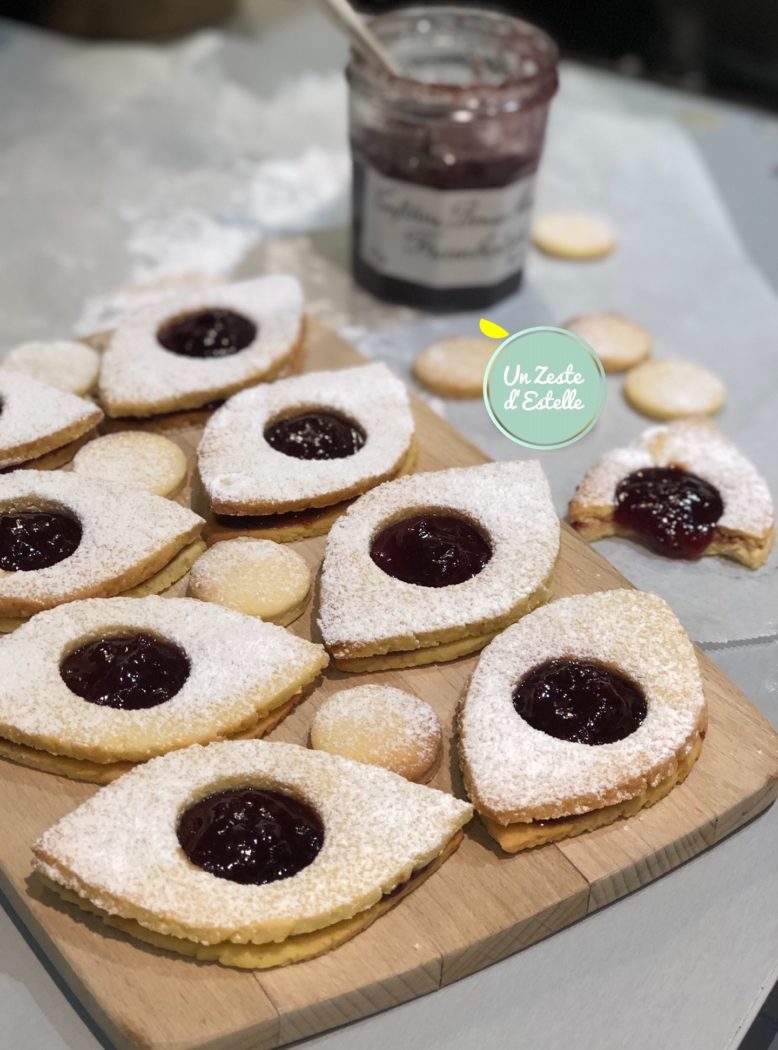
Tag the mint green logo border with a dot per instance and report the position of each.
(587, 349)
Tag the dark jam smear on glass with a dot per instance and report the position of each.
(130, 671)
(36, 539)
(581, 701)
(207, 333)
(315, 435)
(673, 511)
(250, 835)
(431, 550)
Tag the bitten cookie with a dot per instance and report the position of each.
(619, 342)
(257, 577)
(134, 458)
(381, 726)
(672, 389)
(573, 235)
(67, 365)
(454, 367)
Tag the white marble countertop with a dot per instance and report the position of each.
(103, 186)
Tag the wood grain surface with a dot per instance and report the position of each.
(480, 907)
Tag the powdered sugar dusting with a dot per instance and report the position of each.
(239, 666)
(121, 530)
(122, 842)
(134, 458)
(520, 773)
(61, 363)
(697, 446)
(511, 501)
(34, 413)
(268, 575)
(378, 724)
(240, 469)
(139, 377)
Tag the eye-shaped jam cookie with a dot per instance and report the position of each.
(306, 444)
(571, 721)
(192, 349)
(95, 686)
(63, 537)
(250, 853)
(432, 566)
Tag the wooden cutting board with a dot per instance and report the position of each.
(480, 907)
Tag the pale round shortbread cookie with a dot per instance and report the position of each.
(67, 365)
(672, 389)
(454, 367)
(573, 235)
(136, 459)
(257, 577)
(381, 726)
(620, 343)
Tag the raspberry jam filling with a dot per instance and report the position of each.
(673, 511)
(580, 701)
(207, 333)
(431, 550)
(315, 435)
(36, 539)
(130, 671)
(250, 835)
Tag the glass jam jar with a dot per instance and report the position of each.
(444, 157)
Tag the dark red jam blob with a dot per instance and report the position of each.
(432, 550)
(250, 835)
(674, 511)
(207, 333)
(131, 671)
(36, 539)
(581, 701)
(315, 435)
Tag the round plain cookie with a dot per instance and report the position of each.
(381, 726)
(620, 342)
(134, 458)
(67, 365)
(672, 389)
(257, 577)
(573, 235)
(454, 367)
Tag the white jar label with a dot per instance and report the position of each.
(445, 238)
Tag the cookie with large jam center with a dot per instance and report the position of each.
(431, 550)
(673, 511)
(315, 435)
(130, 671)
(250, 835)
(580, 701)
(36, 539)
(207, 333)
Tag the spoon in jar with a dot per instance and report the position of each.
(361, 36)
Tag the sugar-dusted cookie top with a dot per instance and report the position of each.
(37, 418)
(63, 537)
(308, 441)
(198, 347)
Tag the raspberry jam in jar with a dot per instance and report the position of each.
(445, 156)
